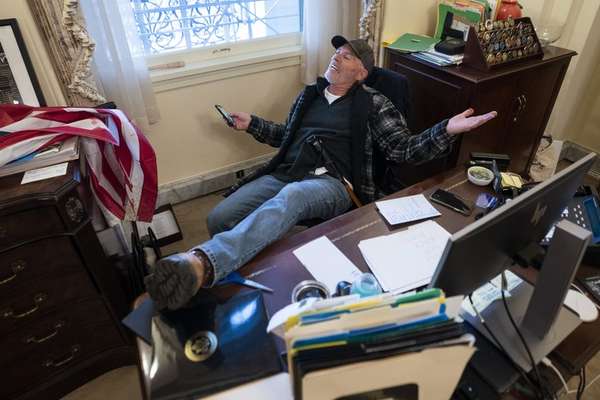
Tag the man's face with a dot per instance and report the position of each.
(345, 68)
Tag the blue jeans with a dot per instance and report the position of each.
(262, 211)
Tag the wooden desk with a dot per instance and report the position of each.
(282, 270)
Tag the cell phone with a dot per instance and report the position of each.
(226, 116)
(452, 201)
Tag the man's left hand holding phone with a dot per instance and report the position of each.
(237, 120)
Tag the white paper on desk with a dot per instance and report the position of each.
(326, 263)
(406, 209)
(405, 260)
(275, 387)
(39, 174)
(490, 292)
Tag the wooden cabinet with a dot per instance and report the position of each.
(523, 94)
(60, 300)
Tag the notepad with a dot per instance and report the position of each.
(405, 260)
(406, 209)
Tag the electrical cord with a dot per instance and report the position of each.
(536, 388)
(587, 386)
(581, 388)
(538, 377)
(546, 361)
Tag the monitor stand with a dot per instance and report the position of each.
(538, 311)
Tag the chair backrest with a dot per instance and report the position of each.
(394, 86)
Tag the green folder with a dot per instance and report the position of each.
(466, 15)
(410, 43)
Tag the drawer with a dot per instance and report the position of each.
(51, 329)
(27, 225)
(27, 263)
(55, 358)
(28, 303)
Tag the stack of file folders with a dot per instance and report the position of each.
(395, 346)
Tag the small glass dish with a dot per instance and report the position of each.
(480, 176)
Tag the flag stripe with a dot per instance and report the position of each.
(121, 161)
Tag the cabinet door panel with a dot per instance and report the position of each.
(488, 96)
(431, 101)
(534, 95)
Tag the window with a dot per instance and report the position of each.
(170, 25)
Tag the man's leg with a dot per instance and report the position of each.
(323, 197)
(242, 202)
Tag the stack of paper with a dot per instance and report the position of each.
(54, 154)
(441, 59)
(405, 260)
(330, 339)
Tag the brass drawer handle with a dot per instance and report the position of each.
(67, 359)
(16, 267)
(33, 339)
(38, 299)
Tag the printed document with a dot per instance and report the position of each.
(406, 260)
(406, 209)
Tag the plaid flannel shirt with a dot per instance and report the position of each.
(386, 129)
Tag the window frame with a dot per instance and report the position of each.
(172, 69)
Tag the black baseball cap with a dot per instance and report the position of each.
(360, 47)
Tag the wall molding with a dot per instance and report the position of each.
(213, 181)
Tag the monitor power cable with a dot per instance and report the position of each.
(582, 386)
(538, 377)
(537, 390)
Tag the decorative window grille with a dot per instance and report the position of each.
(166, 25)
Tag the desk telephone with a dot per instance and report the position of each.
(583, 210)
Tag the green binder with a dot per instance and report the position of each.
(410, 43)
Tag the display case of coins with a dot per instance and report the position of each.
(493, 44)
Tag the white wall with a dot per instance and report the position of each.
(35, 47)
(192, 139)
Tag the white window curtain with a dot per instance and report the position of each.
(371, 26)
(323, 20)
(119, 61)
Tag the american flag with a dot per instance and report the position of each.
(121, 161)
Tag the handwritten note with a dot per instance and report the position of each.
(405, 260)
(406, 209)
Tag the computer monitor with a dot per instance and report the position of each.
(479, 252)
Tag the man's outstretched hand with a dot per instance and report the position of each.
(464, 122)
(241, 120)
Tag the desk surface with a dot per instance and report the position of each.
(282, 270)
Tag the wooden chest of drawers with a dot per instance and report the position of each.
(60, 299)
(523, 94)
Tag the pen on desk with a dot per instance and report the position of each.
(415, 40)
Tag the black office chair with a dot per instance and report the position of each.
(395, 87)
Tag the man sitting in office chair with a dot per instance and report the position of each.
(325, 162)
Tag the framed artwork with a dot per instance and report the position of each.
(18, 83)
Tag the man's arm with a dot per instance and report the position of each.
(397, 143)
(262, 130)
